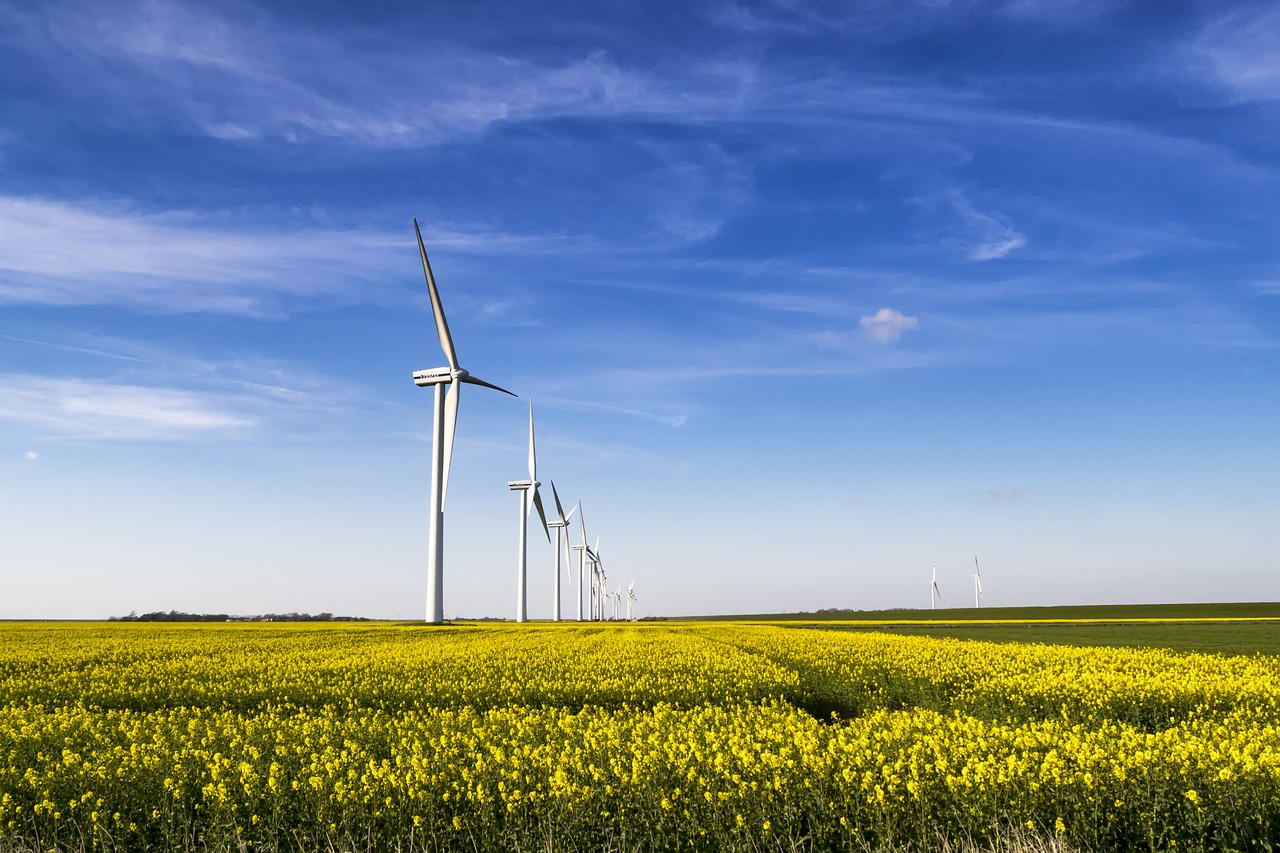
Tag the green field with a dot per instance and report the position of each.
(1236, 610)
(1228, 638)
(1233, 629)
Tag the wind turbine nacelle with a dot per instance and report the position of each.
(517, 485)
(432, 376)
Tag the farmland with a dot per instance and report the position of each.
(627, 737)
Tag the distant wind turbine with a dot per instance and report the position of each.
(583, 553)
(977, 584)
(599, 579)
(631, 600)
(561, 525)
(444, 423)
(528, 490)
(934, 594)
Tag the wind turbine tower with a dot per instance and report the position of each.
(528, 490)
(562, 540)
(934, 595)
(447, 382)
(977, 584)
(631, 600)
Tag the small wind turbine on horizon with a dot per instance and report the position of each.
(934, 594)
(528, 490)
(977, 584)
(444, 423)
(561, 525)
(631, 600)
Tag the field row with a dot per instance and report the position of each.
(714, 777)
(400, 667)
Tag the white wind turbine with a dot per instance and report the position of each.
(934, 594)
(592, 559)
(444, 424)
(584, 554)
(631, 600)
(598, 580)
(528, 490)
(562, 538)
(977, 584)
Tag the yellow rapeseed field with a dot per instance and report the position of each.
(625, 737)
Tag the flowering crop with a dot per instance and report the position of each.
(136, 737)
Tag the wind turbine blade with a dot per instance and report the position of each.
(471, 380)
(571, 512)
(559, 509)
(582, 520)
(533, 460)
(442, 325)
(537, 502)
(451, 395)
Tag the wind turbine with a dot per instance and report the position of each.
(977, 584)
(583, 553)
(934, 594)
(444, 423)
(598, 579)
(528, 490)
(562, 536)
(631, 600)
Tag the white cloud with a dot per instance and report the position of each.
(31, 456)
(1241, 51)
(238, 74)
(992, 235)
(77, 408)
(65, 253)
(887, 325)
(105, 253)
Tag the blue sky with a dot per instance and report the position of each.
(807, 296)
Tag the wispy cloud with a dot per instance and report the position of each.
(250, 76)
(238, 73)
(1240, 50)
(68, 254)
(666, 414)
(989, 235)
(999, 496)
(136, 389)
(100, 253)
(75, 408)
